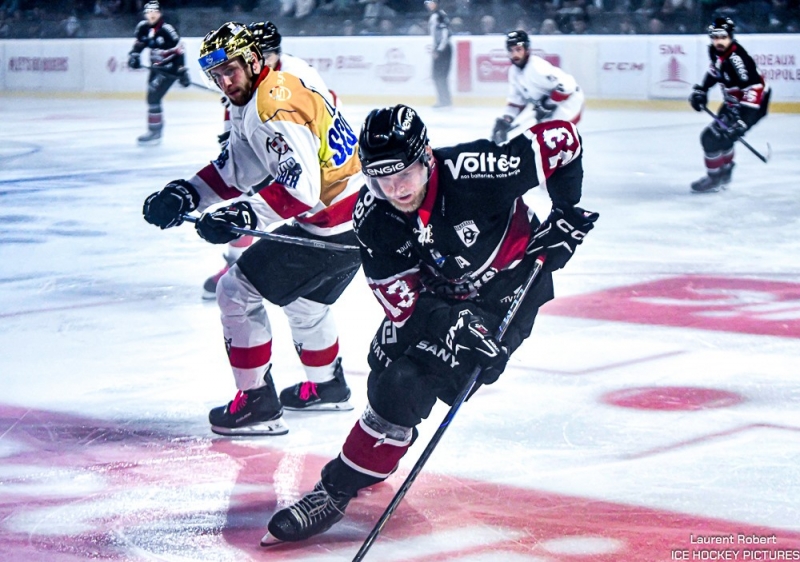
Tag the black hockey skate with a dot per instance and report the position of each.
(311, 396)
(153, 136)
(708, 184)
(314, 513)
(252, 412)
(726, 173)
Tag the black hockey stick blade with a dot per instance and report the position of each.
(296, 240)
(462, 396)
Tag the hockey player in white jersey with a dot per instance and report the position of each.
(553, 93)
(289, 137)
(269, 40)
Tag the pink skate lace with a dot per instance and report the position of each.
(238, 402)
(307, 389)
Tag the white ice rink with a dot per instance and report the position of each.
(655, 403)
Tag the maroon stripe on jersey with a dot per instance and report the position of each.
(555, 95)
(282, 202)
(398, 297)
(321, 357)
(250, 357)
(425, 209)
(211, 176)
(516, 240)
(366, 452)
(338, 213)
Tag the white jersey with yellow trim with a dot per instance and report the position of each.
(540, 79)
(294, 139)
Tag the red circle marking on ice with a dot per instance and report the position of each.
(672, 398)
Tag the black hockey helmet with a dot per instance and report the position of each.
(391, 140)
(722, 26)
(517, 37)
(266, 33)
(151, 6)
(225, 44)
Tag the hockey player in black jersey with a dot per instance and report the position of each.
(166, 62)
(446, 241)
(745, 101)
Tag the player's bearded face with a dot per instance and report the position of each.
(235, 79)
(405, 190)
(721, 43)
(518, 55)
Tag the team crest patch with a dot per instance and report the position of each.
(278, 145)
(280, 93)
(468, 232)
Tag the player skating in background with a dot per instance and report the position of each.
(268, 38)
(281, 130)
(447, 240)
(553, 93)
(745, 101)
(166, 62)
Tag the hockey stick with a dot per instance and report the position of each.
(725, 127)
(296, 240)
(462, 396)
(173, 75)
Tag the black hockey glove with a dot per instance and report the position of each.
(698, 98)
(183, 77)
(134, 60)
(215, 227)
(165, 208)
(544, 109)
(471, 343)
(224, 140)
(501, 128)
(735, 130)
(560, 234)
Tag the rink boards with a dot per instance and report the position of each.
(383, 69)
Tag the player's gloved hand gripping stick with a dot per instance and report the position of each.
(462, 396)
(725, 127)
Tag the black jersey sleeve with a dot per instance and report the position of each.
(391, 266)
(141, 36)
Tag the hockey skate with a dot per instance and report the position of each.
(709, 184)
(314, 513)
(316, 396)
(251, 412)
(151, 137)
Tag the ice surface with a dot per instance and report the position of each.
(110, 362)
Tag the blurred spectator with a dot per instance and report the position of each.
(626, 26)
(417, 28)
(386, 27)
(71, 27)
(348, 27)
(9, 6)
(655, 26)
(457, 26)
(462, 9)
(578, 26)
(549, 27)
(488, 25)
(297, 8)
(378, 10)
(5, 27)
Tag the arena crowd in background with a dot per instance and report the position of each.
(116, 18)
